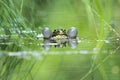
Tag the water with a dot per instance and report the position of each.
(86, 61)
(38, 38)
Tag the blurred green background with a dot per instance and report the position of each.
(95, 58)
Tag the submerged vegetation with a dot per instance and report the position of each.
(96, 57)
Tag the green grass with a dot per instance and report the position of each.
(22, 57)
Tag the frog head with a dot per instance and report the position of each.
(59, 32)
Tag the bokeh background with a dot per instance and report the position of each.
(95, 58)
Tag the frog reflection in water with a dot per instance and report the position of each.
(59, 37)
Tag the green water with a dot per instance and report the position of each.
(96, 56)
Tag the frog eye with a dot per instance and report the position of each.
(47, 33)
(72, 32)
(57, 31)
(54, 31)
(64, 30)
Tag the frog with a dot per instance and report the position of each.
(59, 37)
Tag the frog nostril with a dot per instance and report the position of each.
(64, 30)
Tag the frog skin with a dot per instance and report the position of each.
(60, 37)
